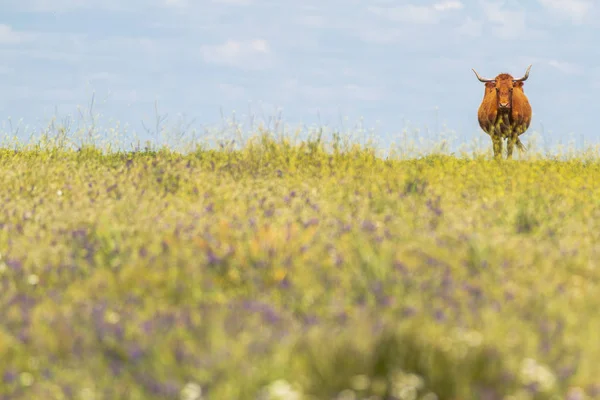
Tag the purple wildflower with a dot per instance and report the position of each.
(369, 226)
(409, 311)
(439, 315)
(9, 376)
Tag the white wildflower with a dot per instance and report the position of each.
(26, 379)
(360, 382)
(346, 394)
(112, 317)
(281, 390)
(87, 394)
(533, 372)
(191, 391)
(33, 279)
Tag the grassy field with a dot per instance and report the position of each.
(305, 271)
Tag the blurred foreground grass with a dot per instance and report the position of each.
(305, 271)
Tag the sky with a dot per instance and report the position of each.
(380, 66)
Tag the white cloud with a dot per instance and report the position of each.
(61, 6)
(407, 13)
(176, 3)
(565, 67)
(250, 54)
(576, 10)
(417, 14)
(448, 5)
(234, 2)
(10, 36)
(507, 24)
(315, 21)
(260, 46)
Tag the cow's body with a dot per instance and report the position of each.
(505, 112)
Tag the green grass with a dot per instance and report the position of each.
(310, 269)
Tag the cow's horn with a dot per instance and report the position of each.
(524, 76)
(482, 79)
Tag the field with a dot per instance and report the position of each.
(307, 270)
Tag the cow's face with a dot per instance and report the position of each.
(504, 85)
(504, 88)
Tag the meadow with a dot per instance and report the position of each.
(310, 269)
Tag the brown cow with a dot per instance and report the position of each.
(504, 112)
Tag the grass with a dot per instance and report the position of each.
(297, 270)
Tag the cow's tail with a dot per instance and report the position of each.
(520, 145)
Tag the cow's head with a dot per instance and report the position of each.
(503, 85)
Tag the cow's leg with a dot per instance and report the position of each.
(510, 144)
(497, 142)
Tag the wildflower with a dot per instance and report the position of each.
(279, 274)
(360, 382)
(33, 279)
(346, 395)
(534, 373)
(576, 393)
(191, 391)
(26, 379)
(280, 390)
(112, 317)
(87, 394)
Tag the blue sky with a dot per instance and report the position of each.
(389, 65)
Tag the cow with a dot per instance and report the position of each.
(505, 112)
